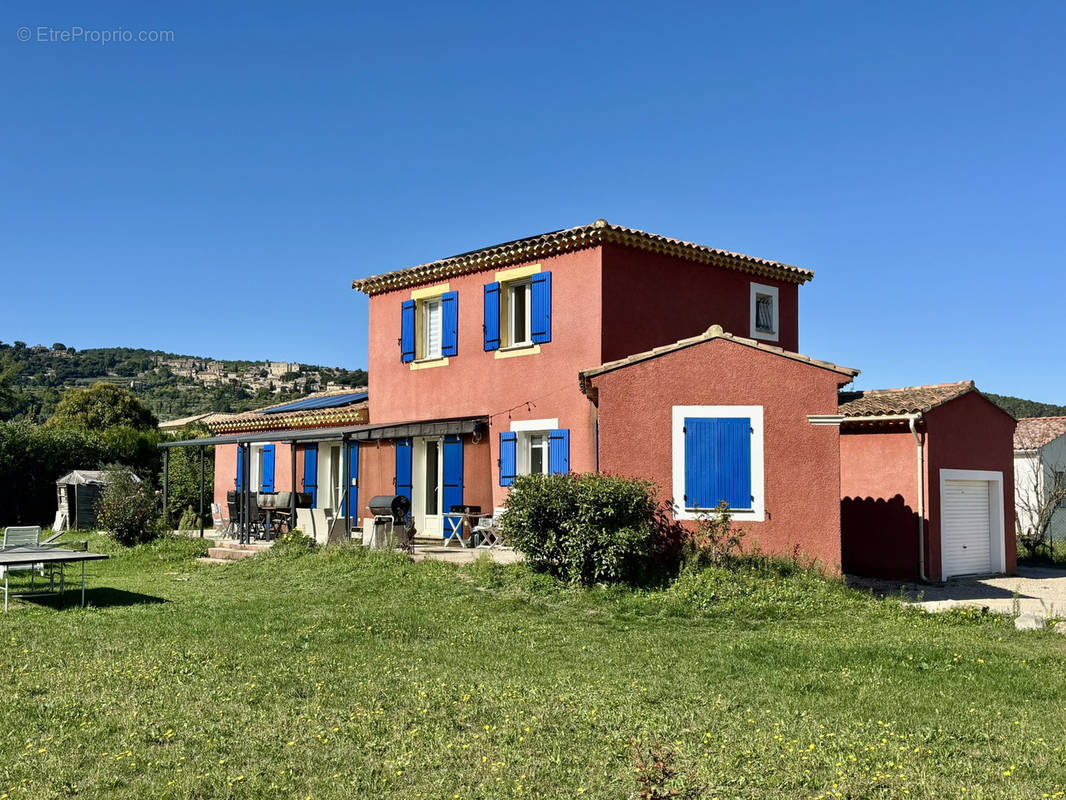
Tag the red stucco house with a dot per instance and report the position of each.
(927, 483)
(604, 348)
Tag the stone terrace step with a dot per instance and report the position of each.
(233, 553)
(209, 560)
(231, 544)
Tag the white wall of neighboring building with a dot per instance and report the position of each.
(1034, 475)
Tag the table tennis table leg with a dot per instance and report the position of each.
(83, 584)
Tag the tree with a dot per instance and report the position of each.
(1040, 490)
(102, 406)
(9, 395)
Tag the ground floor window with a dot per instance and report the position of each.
(718, 456)
(534, 447)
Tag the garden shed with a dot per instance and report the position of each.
(76, 494)
(927, 483)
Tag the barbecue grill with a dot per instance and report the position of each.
(390, 521)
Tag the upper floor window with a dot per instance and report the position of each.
(518, 309)
(431, 329)
(764, 312)
(429, 326)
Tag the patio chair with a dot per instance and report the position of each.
(24, 536)
(488, 530)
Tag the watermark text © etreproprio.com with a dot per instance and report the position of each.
(76, 34)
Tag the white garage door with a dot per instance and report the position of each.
(965, 525)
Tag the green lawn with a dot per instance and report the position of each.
(351, 674)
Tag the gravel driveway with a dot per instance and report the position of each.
(1040, 591)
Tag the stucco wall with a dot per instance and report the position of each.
(879, 501)
(476, 382)
(802, 476)
(972, 433)
(650, 300)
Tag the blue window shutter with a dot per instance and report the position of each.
(267, 478)
(407, 331)
(718, 462)
(353, 480)
(541, 321)
(453, 472)
(492, 316)
(240, 468)
(508, 457)
(311, 473)
(449, 330)
(559, 451)
(404, 468)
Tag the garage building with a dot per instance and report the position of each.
(927, 483)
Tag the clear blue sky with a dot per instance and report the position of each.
(217, 194)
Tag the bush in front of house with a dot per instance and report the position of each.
(586, 528)
(127, 508)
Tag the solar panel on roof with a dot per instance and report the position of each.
(333, 401)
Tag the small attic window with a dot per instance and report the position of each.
(764, 312)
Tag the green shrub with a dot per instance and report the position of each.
(716, 543)
(294, 542)
(585, 528)
(190, 520)
(127, 508)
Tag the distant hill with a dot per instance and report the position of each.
(171, 385)
(1018, 407)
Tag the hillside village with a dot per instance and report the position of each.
(172, 385)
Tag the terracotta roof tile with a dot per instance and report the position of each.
(1033, 433)
(565, 241)
(256, 420)
(713, 332)
(907, 400)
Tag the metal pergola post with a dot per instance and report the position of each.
(292, 494)
(346, 469)
(251, 513)
(166, 481)
(201, 491)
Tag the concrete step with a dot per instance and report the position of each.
(232, 544)
(209, 560)
(232, 553)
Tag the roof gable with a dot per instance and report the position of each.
(569, 240)
(713, 332)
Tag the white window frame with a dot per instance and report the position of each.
(757, 512)
(525, 430)
(425, 305)
(773, 292)
(510, 288)
(996, 526)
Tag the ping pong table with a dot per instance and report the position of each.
(26, 556)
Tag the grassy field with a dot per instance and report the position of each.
(351, 674)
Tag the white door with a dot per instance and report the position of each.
(428, 489)
(966, 527)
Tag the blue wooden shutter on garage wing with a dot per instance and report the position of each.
(267, 479)
(407, 331)
(353, 481)
(717, 462)
(559, 451)
(492, 316)
(449, 328)
(311, 473)
(541, 320)
(508, 457)
(403, 468)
